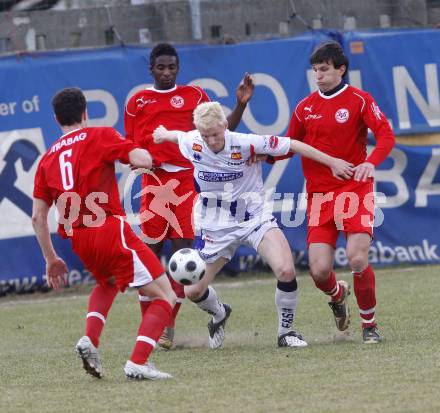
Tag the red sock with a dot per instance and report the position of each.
(365, 292)
(144, 303)
(176, 309)
(330, 287)
(180, 292)
(153, 322)
(100, 300)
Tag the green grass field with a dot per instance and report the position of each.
(335, 373)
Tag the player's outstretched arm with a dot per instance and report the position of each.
(56, 268)
(341, 169)
(140, 158)
(243, 94)
(162, 134)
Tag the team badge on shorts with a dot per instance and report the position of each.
(177, 101)
(342, 115)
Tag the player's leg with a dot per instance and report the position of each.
(133, 264)
(205, 297)
(275, 250)
(154, 228)
(85, 243)
(321, 257)
(150, 329)
(167, 338)
(180, 231)
(358, 245)
(100, 300)
(322, 235)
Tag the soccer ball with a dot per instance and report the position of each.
(186, 266)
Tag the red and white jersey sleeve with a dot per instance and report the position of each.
(41, 190)
(172, 108)
(267, 144)
(379, 125)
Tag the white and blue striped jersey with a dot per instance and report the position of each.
(231, 192)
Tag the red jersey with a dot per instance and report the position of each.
(172, 108)
(338, 125)
(82, 162)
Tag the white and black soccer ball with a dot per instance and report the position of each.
(186, 266)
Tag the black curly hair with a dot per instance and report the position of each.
(163, 49)
(69, 105)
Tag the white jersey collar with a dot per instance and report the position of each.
(162, 91)
(334, 94)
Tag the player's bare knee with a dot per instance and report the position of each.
(319, 271)
(357, 262)
(285, 273)
(194, 292)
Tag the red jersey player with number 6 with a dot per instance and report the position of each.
(335, 119)
(77, 173)
(168, 194)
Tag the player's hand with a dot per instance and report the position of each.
(245, 90)
(342, 169)
(255, 159)
(363, 171)
(56, 271)
(160, 134)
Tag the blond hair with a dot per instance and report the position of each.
(209, 115)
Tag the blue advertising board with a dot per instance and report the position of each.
(409, 179)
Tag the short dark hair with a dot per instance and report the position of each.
(69, 105)
(330, 51)
(163, 49)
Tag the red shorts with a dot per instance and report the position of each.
(167, 205)
(114, 250)
(349, 209)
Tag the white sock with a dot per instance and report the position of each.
(285, 302)
(210, 303)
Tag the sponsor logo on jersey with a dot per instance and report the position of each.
(236, 163)
(313, 117)
(197, 147)
(219, 176)
(376, 111)
(236, 155)
(141, 102)
(308, 108)
(177, 101)
(273, 142)
(342, 115)
(68, 141)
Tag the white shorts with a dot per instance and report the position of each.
(224, 242)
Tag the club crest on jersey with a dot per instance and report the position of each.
(177, 101)
(197, 147)
(273, 142)
(197, 156)
(342, 115)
